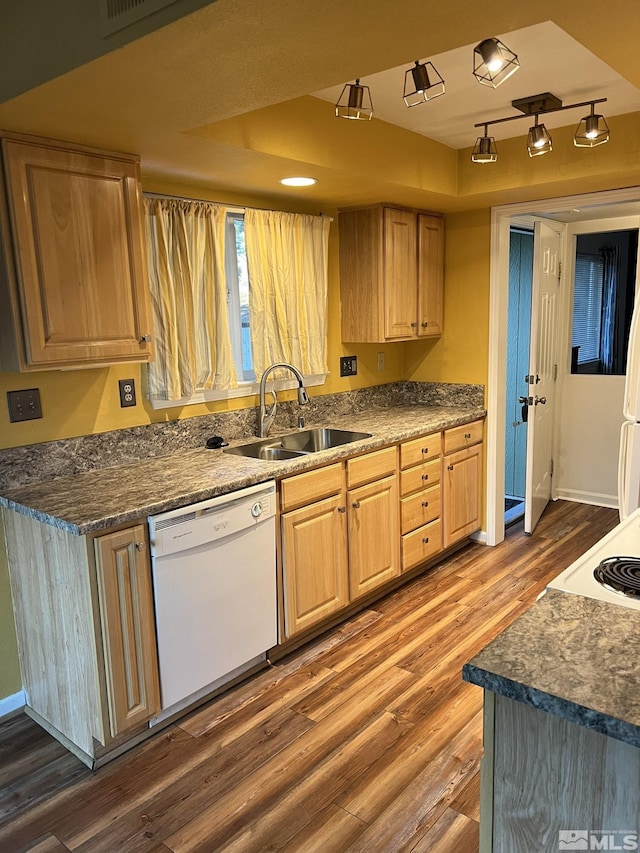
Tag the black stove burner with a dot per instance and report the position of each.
(620, 574)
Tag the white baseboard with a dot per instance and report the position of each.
(593, 498)
(10, 704)
(480, 536)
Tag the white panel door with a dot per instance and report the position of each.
(543, 356)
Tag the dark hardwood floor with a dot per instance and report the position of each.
(365, 740)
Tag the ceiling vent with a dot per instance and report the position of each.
(115, 15)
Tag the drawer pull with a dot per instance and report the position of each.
(425, 504)
(356, 504)
(425, 540)
(467, 435)
(425, 450)
(145, 339)
(342, 509)
(449, 467)
(425, 476)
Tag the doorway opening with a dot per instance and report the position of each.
(563, 210)
(518, 333)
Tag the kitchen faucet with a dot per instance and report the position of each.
(267, 418)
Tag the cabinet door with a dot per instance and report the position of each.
(400, 274)
(81, 272)
(462, 493)
(314, 560)
(128, 630)
(374, 535)
(430, 275)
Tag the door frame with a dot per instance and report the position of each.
(501, 218)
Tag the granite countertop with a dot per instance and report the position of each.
(96, 500)
(571, 656)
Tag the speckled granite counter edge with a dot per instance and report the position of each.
(550, 704)
(77, 504)
(571, 656)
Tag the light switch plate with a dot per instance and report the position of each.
(24, 405)
(348, 365)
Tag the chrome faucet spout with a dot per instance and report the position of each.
(267, 417)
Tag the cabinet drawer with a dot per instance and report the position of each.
(420, 477)
(310, 486)
(463, 436)
(420, 449)
(373, 466)
(423, 543)
(420, 508)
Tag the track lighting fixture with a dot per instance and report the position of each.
(355, 102)
(484, 150)
(422, 83)
(591, 131)
(538, 140)
(493, 62)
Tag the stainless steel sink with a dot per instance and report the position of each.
(299, 443)
(313, 440)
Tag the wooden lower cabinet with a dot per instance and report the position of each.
(314, 561)
(85, 625)
(373, 535)
(462, 493)
(128, 632)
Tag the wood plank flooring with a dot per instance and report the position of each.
(366, 739)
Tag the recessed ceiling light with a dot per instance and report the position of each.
(298, 182)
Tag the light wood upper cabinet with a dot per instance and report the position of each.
(128, 631)
(391, 274)
(430, 275)
(74, 282)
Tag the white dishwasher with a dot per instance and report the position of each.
(214, 584)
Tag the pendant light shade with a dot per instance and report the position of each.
(355, 102)
(539, 140)
(422, 83)
(493, 62)
(485, 150)
(592, 130)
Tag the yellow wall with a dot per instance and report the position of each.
(461, 354)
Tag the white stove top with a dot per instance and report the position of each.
(622, 541)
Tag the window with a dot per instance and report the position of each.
(603, 298)
(237, 276)
(587, 308)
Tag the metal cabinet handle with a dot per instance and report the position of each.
(467, 435)
(540, 400)
(425, 504)
(424, 325)
(140, 546)
(342, 509)
(425, 476)
(449, 467)
(356, 504)
(145, 339)
(425, 540)
(425, 450)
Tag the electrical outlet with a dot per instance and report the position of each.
(24, 405)
(348, 365)
(380, 361)
(127, 392)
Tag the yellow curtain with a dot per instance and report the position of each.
(287, 260)
(186, 243)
